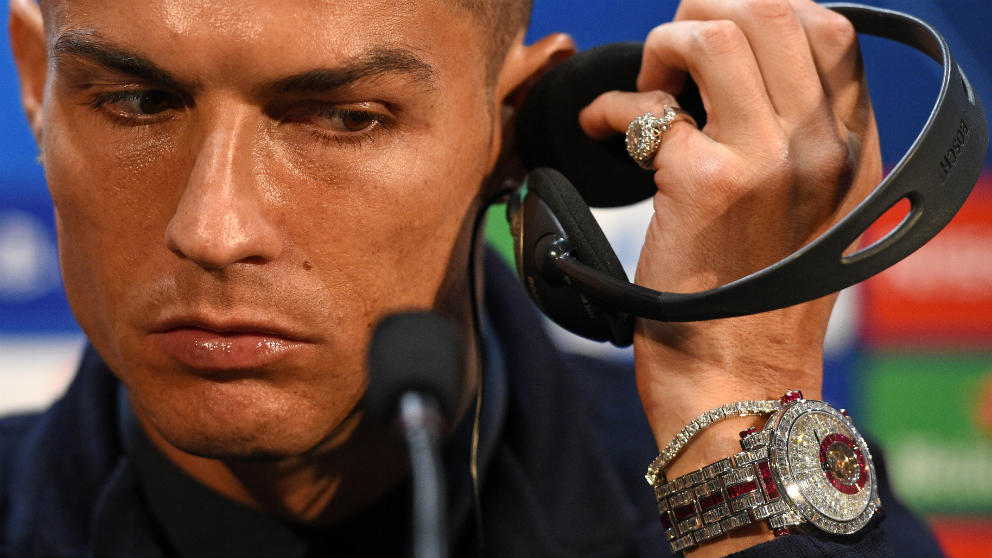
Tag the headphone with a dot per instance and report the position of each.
(572, 273)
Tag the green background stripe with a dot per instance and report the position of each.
(924, 409)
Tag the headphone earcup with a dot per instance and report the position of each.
(553, 208)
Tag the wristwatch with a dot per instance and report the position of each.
(808, 466)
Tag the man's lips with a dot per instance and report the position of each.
(206, 346)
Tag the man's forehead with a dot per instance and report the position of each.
(221, 36)
(247, 17)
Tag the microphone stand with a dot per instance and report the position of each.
(415, 373)
(421, 424)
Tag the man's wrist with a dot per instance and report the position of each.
(672, 403)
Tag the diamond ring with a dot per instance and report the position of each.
(644, 135)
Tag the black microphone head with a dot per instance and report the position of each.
(548, 132)
(414, 351)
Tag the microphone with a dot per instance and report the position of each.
(415, 376)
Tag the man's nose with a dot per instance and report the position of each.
(223, 217)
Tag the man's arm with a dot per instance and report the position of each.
(790, 145)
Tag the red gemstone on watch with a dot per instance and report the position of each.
(766, 479)
(748, 431)
(741, 489)
(791, 396)
(782, 531)
(683, 512)
(711, 500)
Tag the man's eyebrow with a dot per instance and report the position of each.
(377, 62)
(87, 45)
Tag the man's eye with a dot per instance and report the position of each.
(138, 102)
(154, 102)
(355, 121)
(346, 121)
(341, 125)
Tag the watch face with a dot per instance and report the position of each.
(824, 467)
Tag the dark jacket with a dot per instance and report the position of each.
(562, 458)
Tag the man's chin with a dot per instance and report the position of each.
(259, 441)
(230, 452)
(247, 419)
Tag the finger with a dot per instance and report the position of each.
(780, 46)
(611, 112)
(834, 45)
(719, 58)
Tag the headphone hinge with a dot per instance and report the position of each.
(549, 249)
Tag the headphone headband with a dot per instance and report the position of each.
(936, 175)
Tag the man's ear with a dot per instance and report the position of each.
(524, 66)
(27, 41)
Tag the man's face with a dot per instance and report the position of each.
(243, 188)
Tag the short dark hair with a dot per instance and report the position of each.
(498, 21)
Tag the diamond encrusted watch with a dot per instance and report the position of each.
(807, 466)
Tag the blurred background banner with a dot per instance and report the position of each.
(909, 352)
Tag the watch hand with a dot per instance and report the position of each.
(823, 454)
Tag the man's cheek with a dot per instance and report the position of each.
(107, 185)
(109, 227)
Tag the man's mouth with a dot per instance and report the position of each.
(230, 346)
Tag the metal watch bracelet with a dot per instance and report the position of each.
(723, 496)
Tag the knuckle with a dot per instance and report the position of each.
(719, 36)
(610, 97)
(655, 101)
(768, 9)
(770, 168)
(656, 34)
(763, 174)
(834, 29)
(778, 165)
(832, 159)
(657, 40)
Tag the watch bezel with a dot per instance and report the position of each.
(788, 486)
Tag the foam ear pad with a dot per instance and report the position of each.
(548, 132)
(551, 209)
(593, 249)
